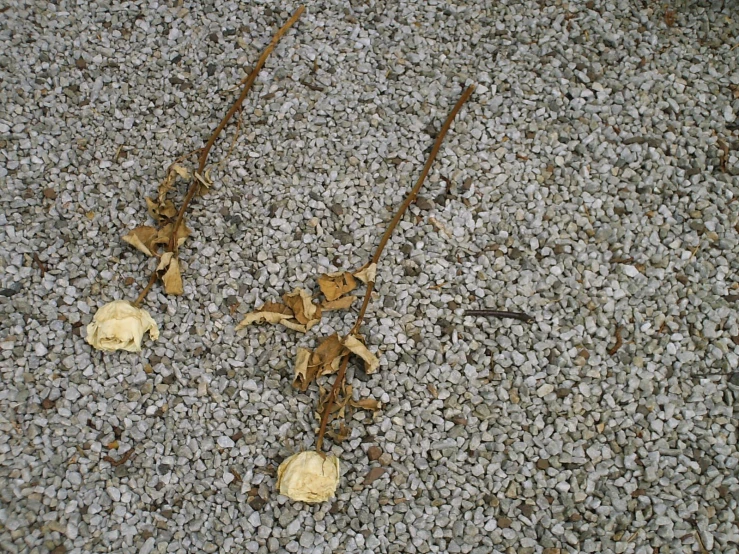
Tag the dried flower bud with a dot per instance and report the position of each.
(120, 326)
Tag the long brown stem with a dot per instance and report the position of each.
(205, 151)
(341, 375)
(203, 158)
(410, 199)
(153, 279)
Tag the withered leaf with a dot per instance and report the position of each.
(339, 304)
(277, 308)
(169, 268)
(341, 434)
(204, 179)
(367, 274)
(181, 171)
(302, 374)
(166, 185)
(269, 313)
(334, 285)
(338, 407)
(340, 404)
(366, 404)
(327, 356)
(371, 363)
(142, 239)
(165, 234)
(295, 326)
(161, 211)
(301, 303)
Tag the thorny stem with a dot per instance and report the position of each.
(378, 253)
(203, 157)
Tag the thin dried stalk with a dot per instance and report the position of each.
(500, 314)
(410, 199)
(378, 253)
(205, 151)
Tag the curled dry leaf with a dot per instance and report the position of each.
(335, 285)
(340, 434)
(308, 477)
(323, 361)
(371, 363)
(301, 303)
(161, 211)
(339, 304)
(204, 179)
(271, 312)
(301, 377)
(181, 171)
(366, 404)
(169, 269)
(120, 326)
(143, 239)
(367, 274)
(165, 234)
(339, 403)
(327, 356)
(166, 185)
(295, 326)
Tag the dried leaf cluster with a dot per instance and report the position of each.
(149, 239)
(300, 311)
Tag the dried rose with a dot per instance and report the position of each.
(308, 476)
(120, 326)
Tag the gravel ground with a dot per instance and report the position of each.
(591, 181)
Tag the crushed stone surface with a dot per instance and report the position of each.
(591, 181)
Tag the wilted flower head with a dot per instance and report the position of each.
(308, 476)
(120, 326)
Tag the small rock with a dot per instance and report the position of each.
(504, 522)
(225, 442)
(374, 453)
(81, 63)
(424, 203)
(374, 474)
(545, 389)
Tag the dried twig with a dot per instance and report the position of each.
(338, 382)
(618, 344)
(41, 265)
(500, 314)
(205, 151)
(123, 459)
